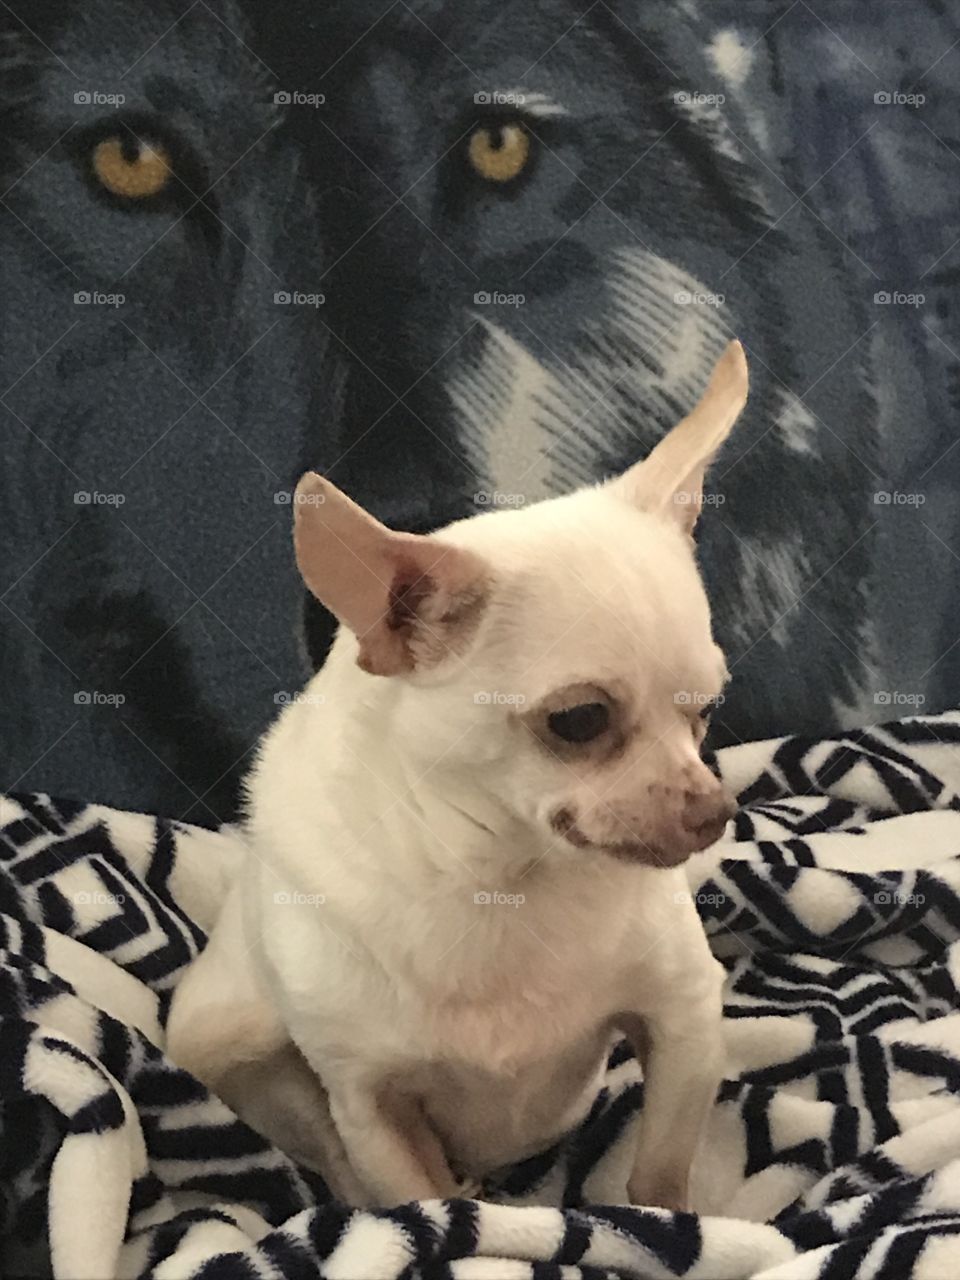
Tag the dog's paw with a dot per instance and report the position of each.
(659, 1193)
(470, 1189)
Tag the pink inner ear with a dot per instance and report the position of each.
(385, 645)
(346, 558)
(381, 584)
(409, 590)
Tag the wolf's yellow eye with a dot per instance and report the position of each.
(499, 152)
(131, 168)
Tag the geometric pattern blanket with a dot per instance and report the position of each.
(833, 1151)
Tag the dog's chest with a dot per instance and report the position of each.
(502, 1040)
(496, 1016)
(520, 986)
(496, 1009)
(506, 1073)
(518, 1008)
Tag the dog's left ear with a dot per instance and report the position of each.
(669, 481)
(409, 599)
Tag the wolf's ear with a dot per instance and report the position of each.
(409, 599)
(669, 481)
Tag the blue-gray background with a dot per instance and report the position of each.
(697, 170)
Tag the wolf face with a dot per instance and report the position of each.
(453, 261)
(580, 232)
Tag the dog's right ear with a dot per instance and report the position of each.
(669, 481)
(409, 599)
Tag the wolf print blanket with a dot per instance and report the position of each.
(459, 254)
(833, 1150)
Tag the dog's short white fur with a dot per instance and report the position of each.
(465, 841)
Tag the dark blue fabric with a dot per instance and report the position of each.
(653, 221)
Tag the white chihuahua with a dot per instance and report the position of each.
(465, 842)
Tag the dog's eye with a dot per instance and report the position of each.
(580, 724)
(706, 710)
(131, 167)
(499, 152)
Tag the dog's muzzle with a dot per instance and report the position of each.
(700, 822)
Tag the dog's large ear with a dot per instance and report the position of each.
(410, 600)
(669, 481)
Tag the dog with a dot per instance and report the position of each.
(513, 705)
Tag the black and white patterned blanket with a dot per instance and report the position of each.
(834, 1150)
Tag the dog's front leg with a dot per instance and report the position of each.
(681, 1048)
(391, 1144)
